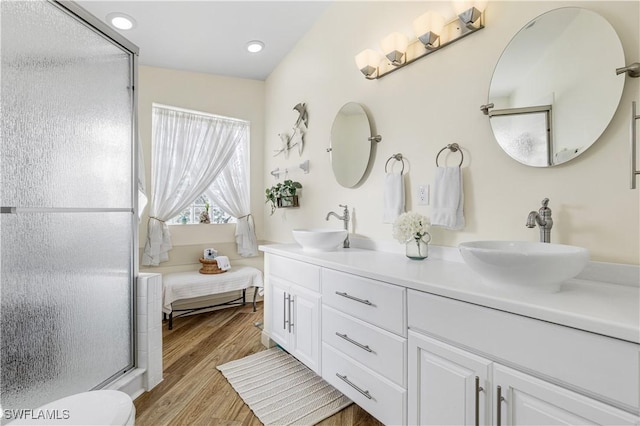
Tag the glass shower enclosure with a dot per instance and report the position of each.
(68, 222)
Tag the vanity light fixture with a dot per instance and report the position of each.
(469, 11)
(432, 33)
(394, 47)
(428, 28)
(121, 21)
(367, 62)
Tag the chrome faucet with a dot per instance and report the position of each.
(345, 219)
(543, 218)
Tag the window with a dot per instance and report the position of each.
(197, 155)
(191, 214)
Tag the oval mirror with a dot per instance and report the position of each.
(350, 144)
(555, 89)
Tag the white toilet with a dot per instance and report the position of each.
(101, 407)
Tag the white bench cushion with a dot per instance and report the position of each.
(186, 285)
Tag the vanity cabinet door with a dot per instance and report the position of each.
(279, 332)
(526, 400)
(295, 321)
(305, 338)
(447, 386)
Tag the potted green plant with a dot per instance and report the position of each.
(283, 194)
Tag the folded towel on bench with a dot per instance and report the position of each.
(223, 263)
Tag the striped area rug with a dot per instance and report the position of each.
(280, 390)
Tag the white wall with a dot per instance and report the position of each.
(436, 101)
(231, 97)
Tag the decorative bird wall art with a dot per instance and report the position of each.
(297, 134)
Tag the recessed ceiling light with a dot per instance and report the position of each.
(121, 21)
(254, 46)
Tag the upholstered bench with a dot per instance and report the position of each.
(187, 285)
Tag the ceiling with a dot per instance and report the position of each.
(211, 36)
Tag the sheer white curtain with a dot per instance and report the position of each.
(189, 152)
(230, 192)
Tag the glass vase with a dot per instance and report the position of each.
(417, 248)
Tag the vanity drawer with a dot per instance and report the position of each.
(600, 367)
(379, 350)
(373, 301)
(378, 396)
(300, 273)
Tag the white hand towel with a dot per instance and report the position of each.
(223, 263)
(448, 199)
(393, 197)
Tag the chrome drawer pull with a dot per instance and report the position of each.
(366, 302)
(348, 339)
(347, 381)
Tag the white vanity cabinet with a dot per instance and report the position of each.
(294, 309)
(447, 385)
(364, 346)
(414, 343)
(451, 385)
(522, 399)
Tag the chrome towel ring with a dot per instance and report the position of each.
(397, 157)
(453, 147)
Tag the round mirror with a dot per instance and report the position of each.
(555, 89)
(350, 144)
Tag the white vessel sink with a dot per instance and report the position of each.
(524, 265)
(319, 239)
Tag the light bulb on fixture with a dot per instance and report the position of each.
(394, 46)
(428, 28)
(469, 11)
(367, 62)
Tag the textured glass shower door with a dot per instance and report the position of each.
(68, 212)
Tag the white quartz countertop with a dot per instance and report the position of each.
(598, 307)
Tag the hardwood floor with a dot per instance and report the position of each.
(194, 392)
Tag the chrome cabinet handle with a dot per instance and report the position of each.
(290, 313)
(348, 296)
(284, 310)
(350, 340)
(499, 400)
(478, 390)
(347, 381)
(634, 137)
